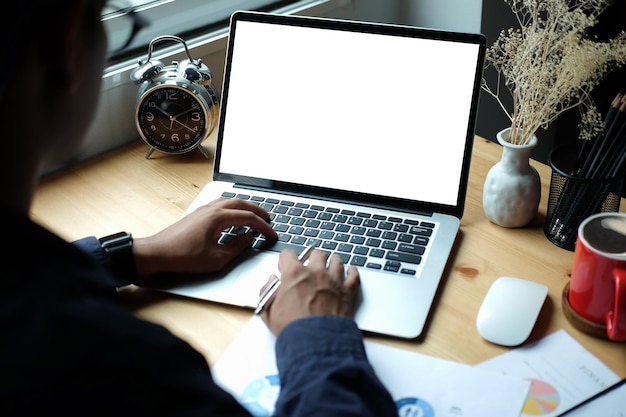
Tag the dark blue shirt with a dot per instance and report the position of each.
(69, 347)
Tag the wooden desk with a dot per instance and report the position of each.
(124, 191)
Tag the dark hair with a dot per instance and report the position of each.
(27, 20)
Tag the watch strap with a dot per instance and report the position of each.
(118, 253)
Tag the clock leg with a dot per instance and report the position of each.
(204, 152)
(149, 152)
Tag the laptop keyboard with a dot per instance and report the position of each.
(363, 239)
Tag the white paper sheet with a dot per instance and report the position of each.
(562, 373)
(421, 385)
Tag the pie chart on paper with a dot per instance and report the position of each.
(542, 399)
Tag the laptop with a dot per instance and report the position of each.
(357, 138)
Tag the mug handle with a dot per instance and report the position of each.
(616, 319)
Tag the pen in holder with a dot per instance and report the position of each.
(574, 197)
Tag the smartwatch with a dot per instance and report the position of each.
(118, 253)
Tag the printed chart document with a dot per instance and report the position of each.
(421, 385)
(561, 371)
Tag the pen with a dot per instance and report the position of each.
(267, 295)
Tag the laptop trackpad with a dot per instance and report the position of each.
(238, 284)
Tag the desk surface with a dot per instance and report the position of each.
(124, 191)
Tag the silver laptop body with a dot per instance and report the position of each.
(366, 123)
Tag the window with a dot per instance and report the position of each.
(203, 24)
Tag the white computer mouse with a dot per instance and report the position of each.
(509, 310)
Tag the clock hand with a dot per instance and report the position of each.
(166, 114)
(163, 111)
(182, 113)
(182, 124)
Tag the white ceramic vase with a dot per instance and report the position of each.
(512, 188)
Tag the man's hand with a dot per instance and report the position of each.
(191, 244)
(311, 290)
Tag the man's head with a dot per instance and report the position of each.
(53, 54)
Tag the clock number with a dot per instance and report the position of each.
(195, 116)
(171, 95)
(175, 137)
(149, 116)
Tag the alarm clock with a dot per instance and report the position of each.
(177, 105)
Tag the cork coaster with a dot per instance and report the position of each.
(581, 323)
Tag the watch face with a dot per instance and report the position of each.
(171, 119)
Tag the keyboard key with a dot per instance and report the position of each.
(358, 260)
(340, 218)
(310, 214)
(403, 257)
(392, 266)
(358, 230)
(370, 223)
(391, 235)
(312, 223)
(406, 238)
(373, 243)
(357, 240)
(283, 218)
(327, 234)
(296, 230)
(345, 257)
(297, 221)
(361, 250)
(327, 225)
(324, 216)
(389, 245)
(342, 237)
(345, 247)
(329, 245)
(385, 225)
(416, 249)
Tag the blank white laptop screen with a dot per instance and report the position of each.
(392, 105)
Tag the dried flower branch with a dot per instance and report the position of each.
(550, 66)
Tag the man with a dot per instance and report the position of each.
(68, 347)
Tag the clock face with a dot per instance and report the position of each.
(171, 119)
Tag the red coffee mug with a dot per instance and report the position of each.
(597, 290)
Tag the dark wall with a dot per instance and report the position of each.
(496, 16)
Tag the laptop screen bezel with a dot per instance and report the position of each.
(331, 194)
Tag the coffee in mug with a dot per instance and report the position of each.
(597, 289)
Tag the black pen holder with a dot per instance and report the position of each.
(573, 198)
